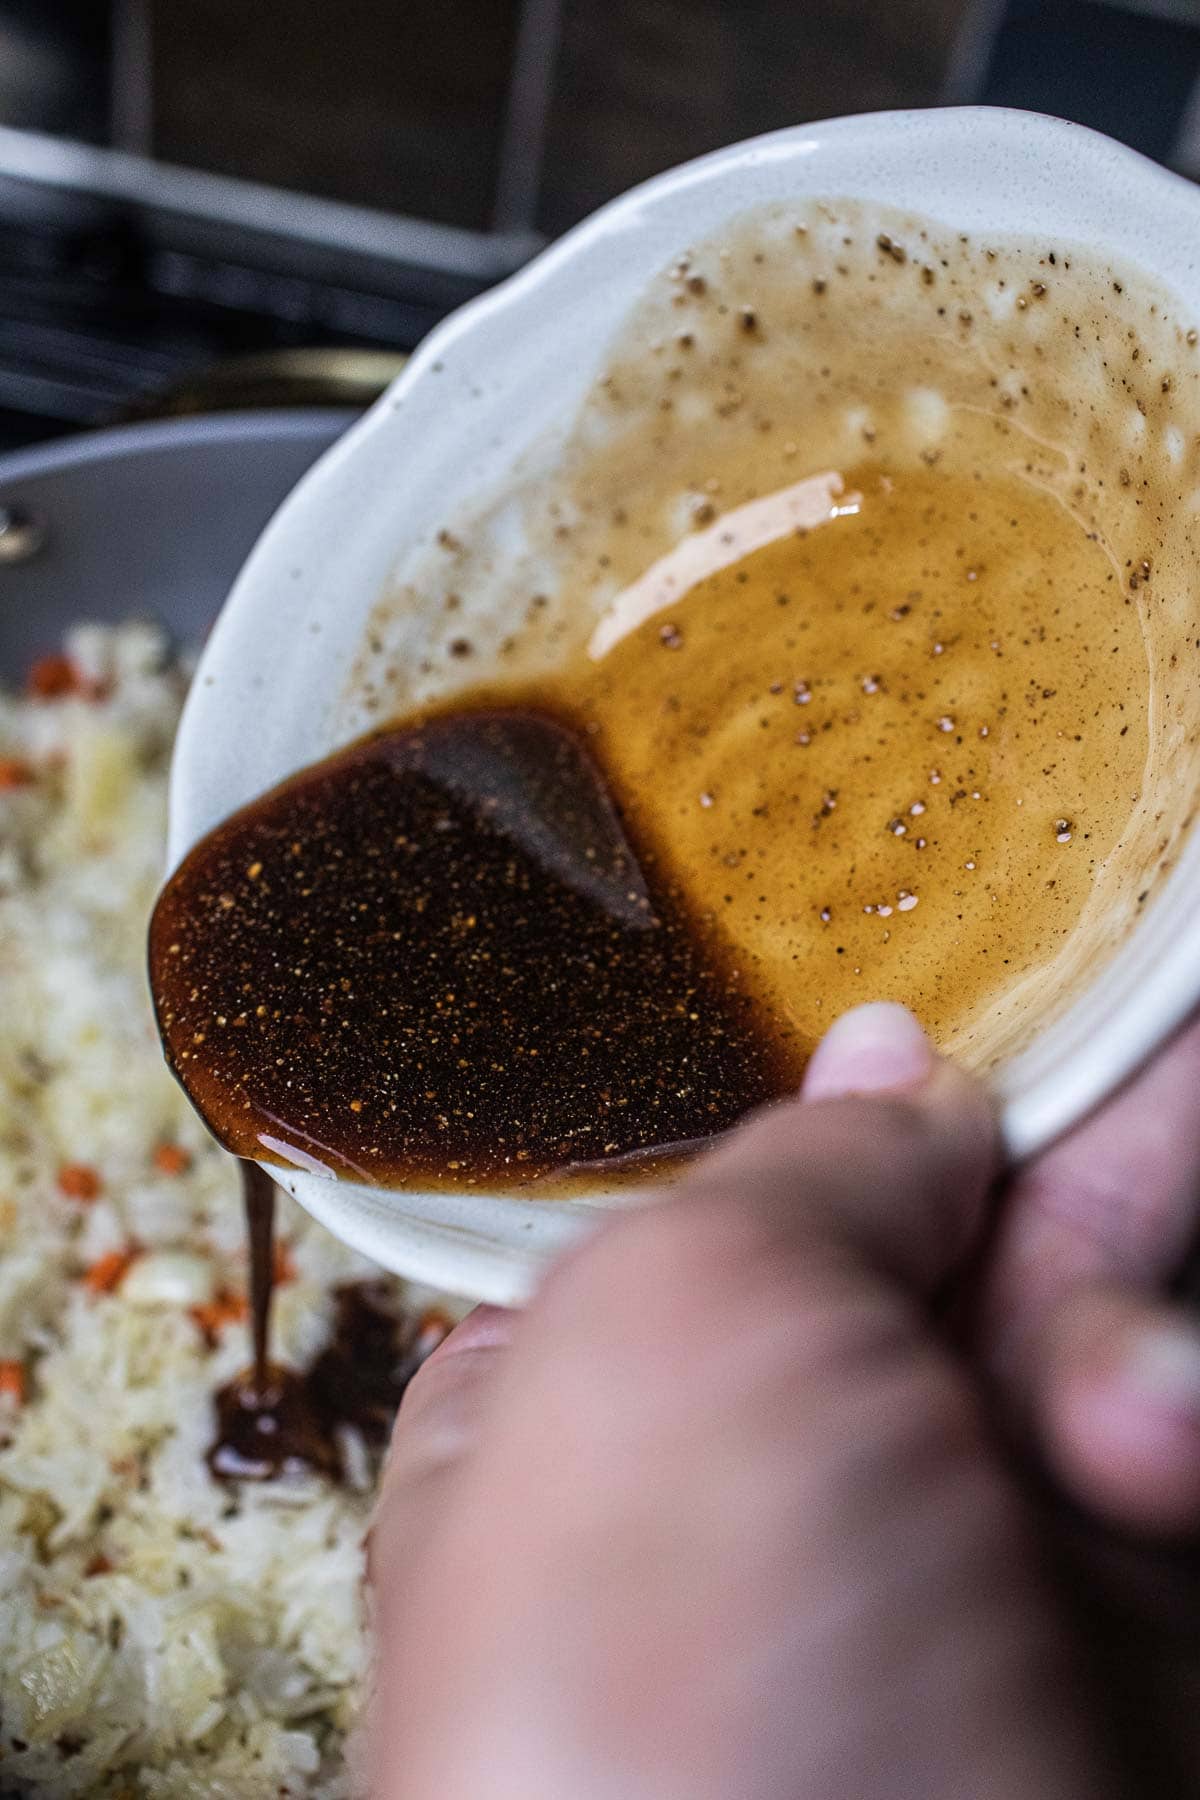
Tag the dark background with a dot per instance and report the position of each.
(506, 119)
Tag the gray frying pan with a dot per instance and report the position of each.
(142, 521)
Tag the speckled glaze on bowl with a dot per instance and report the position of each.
(515, 365)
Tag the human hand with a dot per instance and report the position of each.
(720, 1515)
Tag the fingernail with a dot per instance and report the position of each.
(483, 1328)
(871, 1050)
(1162, 1367)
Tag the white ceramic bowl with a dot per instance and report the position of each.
(487, 385)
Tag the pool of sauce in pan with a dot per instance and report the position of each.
(439, 958)
(274, 1421)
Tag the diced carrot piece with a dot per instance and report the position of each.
(435, 1322)
(15, 772)
(78, 1181)
(12, 1380)
(172, 1159)
(225, 1309)
(283, 1265)
(433, 1327)
(98, 1565)
(108, 1271)
(51, 677)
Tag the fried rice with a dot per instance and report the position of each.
(161, 1634)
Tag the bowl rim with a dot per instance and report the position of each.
(435, 1237)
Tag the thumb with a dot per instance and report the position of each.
(891, 1155)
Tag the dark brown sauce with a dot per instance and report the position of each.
(271, 1429)
(437, 957)
(273, 1421)
(258, 1200)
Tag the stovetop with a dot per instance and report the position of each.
(107, 305)
(136, 253)
(181, 186)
